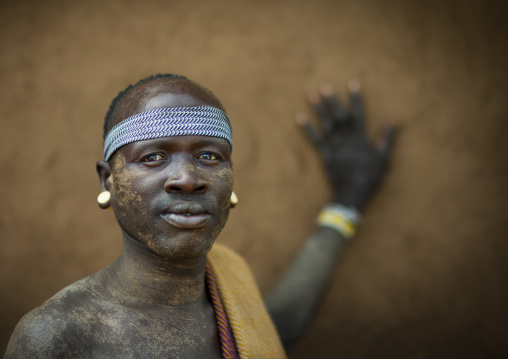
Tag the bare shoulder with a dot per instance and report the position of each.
(60, 327)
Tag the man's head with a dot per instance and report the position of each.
(170, 193)
(111, 117)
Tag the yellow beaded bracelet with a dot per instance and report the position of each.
(341, 218)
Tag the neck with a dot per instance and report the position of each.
(145, 278)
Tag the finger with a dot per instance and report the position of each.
(388, 138)
(321, 112)
(331, 99)
(357, 109)
(303, 121)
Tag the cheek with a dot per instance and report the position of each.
(123, 183)
(225, 180)
(130, 196)
(125, 193)
(129, 204)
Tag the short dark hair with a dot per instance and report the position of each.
(121, 95)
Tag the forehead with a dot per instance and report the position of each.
(163, 93)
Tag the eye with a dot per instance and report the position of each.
(153, 158)
(208, 156)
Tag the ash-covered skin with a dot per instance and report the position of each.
(142, 192)
(152, 302)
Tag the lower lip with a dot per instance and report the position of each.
(187, 222)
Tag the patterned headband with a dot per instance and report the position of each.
(171, 121)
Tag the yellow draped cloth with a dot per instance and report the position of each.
(254, 332)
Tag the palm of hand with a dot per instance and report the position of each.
(355, 167)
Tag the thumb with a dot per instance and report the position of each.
(387, 140)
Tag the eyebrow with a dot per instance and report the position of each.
(203, 141)
(216, 141)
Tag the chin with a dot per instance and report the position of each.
(182, 247)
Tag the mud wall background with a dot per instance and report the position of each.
(427, 275)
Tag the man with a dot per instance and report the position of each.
(167, 175)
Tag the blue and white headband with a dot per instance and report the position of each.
(171, 121)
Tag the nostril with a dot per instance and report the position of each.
(200, 189)
(176, 189)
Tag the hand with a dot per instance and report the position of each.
(354, 166)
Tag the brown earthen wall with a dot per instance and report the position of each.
(427, 275)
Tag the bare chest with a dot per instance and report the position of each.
(155, 334)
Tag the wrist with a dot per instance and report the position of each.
(350, 198)
(343, 219)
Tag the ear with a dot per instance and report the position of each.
(105, 175)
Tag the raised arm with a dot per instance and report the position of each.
(355, 168)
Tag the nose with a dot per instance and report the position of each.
(184, 177)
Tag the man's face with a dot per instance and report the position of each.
(172, 194)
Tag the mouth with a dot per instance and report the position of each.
(186, 216)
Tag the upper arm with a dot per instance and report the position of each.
(32, 338)
(46, 332)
